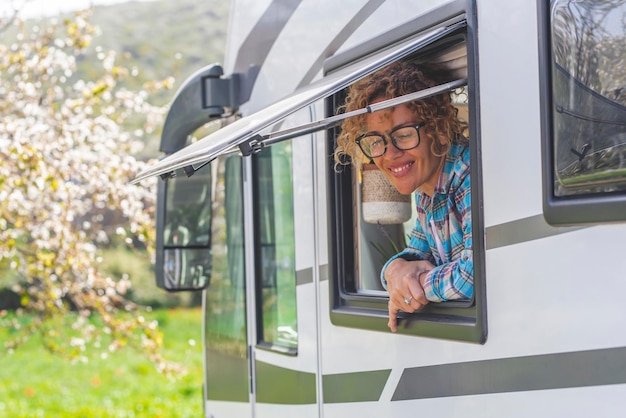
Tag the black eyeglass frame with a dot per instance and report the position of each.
(384, 137)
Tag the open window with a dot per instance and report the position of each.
(583, 87)
(359, 247)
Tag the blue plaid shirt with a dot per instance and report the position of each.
(443, 232)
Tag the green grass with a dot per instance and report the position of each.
(35, 383)
(605, 176)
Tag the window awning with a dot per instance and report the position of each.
(246, 129)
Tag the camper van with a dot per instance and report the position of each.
(257, 215)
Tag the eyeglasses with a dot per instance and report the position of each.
(404, 138)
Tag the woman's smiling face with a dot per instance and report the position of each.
(417, 168)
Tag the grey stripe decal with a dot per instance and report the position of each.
(254, 49)
(334, 45)
(227, 374)
(306, 276)
(550, 371)
(522, 230)
(323, 271)
(354, 23)
(354, 387)
(279, 385)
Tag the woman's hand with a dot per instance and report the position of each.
(404, 285)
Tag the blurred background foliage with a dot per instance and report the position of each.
(158, 40)
(161, 39)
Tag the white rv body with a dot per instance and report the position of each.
(553, 295)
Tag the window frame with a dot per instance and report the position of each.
(258, 263)
(450, 320)
(565, 210)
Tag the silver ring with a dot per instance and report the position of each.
(408, 300)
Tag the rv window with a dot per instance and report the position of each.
(379, 238)
(275, 244)
(370, 224)
(585, 140)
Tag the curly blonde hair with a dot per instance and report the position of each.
(395, 80)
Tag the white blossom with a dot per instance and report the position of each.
(66, 161)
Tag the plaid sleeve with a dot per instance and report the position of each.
(455, 279)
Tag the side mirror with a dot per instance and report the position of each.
(183, 241)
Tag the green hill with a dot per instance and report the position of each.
(159, 38)
(162, 38)
(165, 37)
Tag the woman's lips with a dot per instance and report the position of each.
(400, 170)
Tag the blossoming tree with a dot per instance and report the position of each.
(66, 160)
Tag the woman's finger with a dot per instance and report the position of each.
(393, 317)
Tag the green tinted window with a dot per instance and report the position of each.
(276, 247)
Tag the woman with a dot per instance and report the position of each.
(420, 146)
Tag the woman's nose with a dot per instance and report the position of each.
(392, 151)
